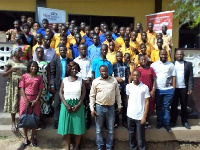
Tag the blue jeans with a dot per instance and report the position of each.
(163, 102)
(105, 114)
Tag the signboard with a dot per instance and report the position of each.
(193, 56)
(160, 19)
(53, 15)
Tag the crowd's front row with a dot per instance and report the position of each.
(114, 88)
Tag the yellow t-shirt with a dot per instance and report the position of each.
(134, 44)
(107, 43)
(69, 53)
(119, 41)
(71, 40)
(127, 50)
(151, 37)
(34, 48)
(82, 34)
(111, 56)
(149, 49)
(155, 55)
(139, 38)
(55, 40)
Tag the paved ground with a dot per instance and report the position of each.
(2, 91)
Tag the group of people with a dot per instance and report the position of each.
(95, 73)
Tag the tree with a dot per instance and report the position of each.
(188, 11)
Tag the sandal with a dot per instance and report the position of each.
(147, 125)
(26, 143)
(116, 126)
(34, 141)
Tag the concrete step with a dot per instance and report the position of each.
(179, 133)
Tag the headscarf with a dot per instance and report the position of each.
(14, 50)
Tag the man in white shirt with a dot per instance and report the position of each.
(184, 87)
(49, 53)
(137, 110)
(165, 83)
(86, 74)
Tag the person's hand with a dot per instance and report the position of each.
(27, 103)
(118, 110)
(75, 108)
(152, 94)
(33, 103)
(119, 79)
(189, 92)
(93, 113)
(143, 120)
(52, 90)
(69, 109)
(14, 69)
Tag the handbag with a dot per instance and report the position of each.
(28, 120)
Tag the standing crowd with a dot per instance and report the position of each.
(80, 72)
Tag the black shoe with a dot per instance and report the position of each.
(158, 126)
(172, 124)
(186, 125)
(167, 127)
(55, 126)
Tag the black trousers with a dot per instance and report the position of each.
(180, 94)
(57, 103)
(87, 109)
(124, 109)
(134, 126)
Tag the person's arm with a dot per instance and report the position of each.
(38, 97)
(92, 96)
(29, 53)
(61, 93)
(174, 82)
(146, 109)
(22, 93)
(190, 80)
(83, 93)
(8, 70)
(152, 92)
(127, 98)
(118, 97)
(41, 87)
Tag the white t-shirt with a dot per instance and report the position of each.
(164, 73)
(136, 101)
(180, 80)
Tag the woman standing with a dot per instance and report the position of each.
(14, 68)
(26, 49)
(44, 71)
(31, 88)
(72, 115)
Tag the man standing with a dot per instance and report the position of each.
(103, 93)
(58, 72)
(165, 83)
(184, 86)
(49, 53)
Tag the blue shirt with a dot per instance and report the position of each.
(102, 38)
(75, 52)
(96, 63)
(67, 33)
(115, 36)
(88, 41)
(94, 51)
(42, 31)
(63, 66)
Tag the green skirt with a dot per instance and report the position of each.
(73, 122)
